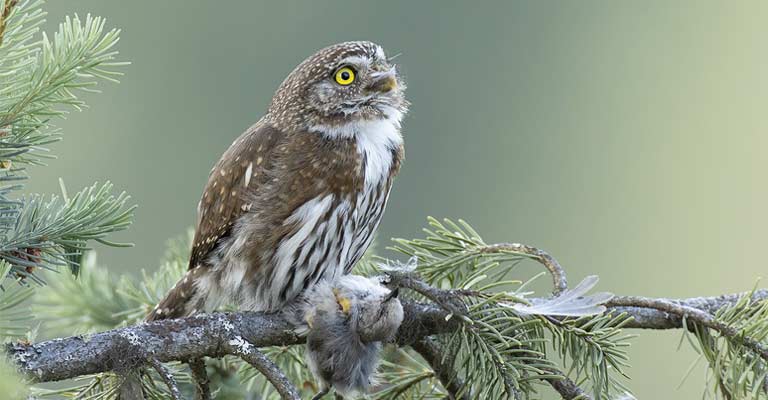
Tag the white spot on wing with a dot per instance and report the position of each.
(247, 177)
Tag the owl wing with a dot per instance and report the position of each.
(225, 194)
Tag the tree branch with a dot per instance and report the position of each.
(200, 376)
(559, 280)
(692, 314)
(210, 334)
(567, 388)
(443, 367)
(167, 377)
(184, 339)
(654, 318)
(245, 350)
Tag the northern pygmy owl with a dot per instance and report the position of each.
(297, 198)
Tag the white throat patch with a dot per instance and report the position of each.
(375, 141)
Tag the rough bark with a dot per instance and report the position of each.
(209, 335)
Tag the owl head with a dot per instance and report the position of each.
(343, 84)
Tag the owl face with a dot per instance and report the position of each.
(343, 83)
(358, 84)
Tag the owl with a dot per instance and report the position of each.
(297, 198)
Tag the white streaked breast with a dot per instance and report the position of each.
(305, 217)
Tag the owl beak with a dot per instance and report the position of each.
(384, 81)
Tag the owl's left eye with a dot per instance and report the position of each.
(344, 76)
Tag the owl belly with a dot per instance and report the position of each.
(322, 238)
(331, 233)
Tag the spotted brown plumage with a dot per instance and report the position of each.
(297, 198)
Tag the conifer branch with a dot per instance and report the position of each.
(559, 280)
(200, 377)
(691, 314)
(207, 334)
(442, 364)
(652, 318)
(250, 354)
(567, 388)
(167, 376)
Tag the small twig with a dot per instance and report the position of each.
(250, 354)
(692, 314)
(442, 365)
(567, 388)
(130, 386)
(200, 376)
(559, 280)
(167, 377)
(444, 298)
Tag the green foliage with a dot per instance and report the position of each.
(594, 348)
(106, 387)
(453, 255)
(407, 376)
(14, 312)
(11, 384)
(43, 75)
(735, 371)
(40, 79)
(91, 302)
(147, 292)
(500, 352)
(59, 228)
(39, 76)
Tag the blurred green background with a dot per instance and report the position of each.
(626, 138)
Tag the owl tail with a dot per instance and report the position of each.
(183, 300)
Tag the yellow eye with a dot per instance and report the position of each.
(345, 76)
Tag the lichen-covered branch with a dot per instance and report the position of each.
(200, 377)
(167, 377)
(208, 335)
(692, 314)
(644, 317)
(245, 350)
